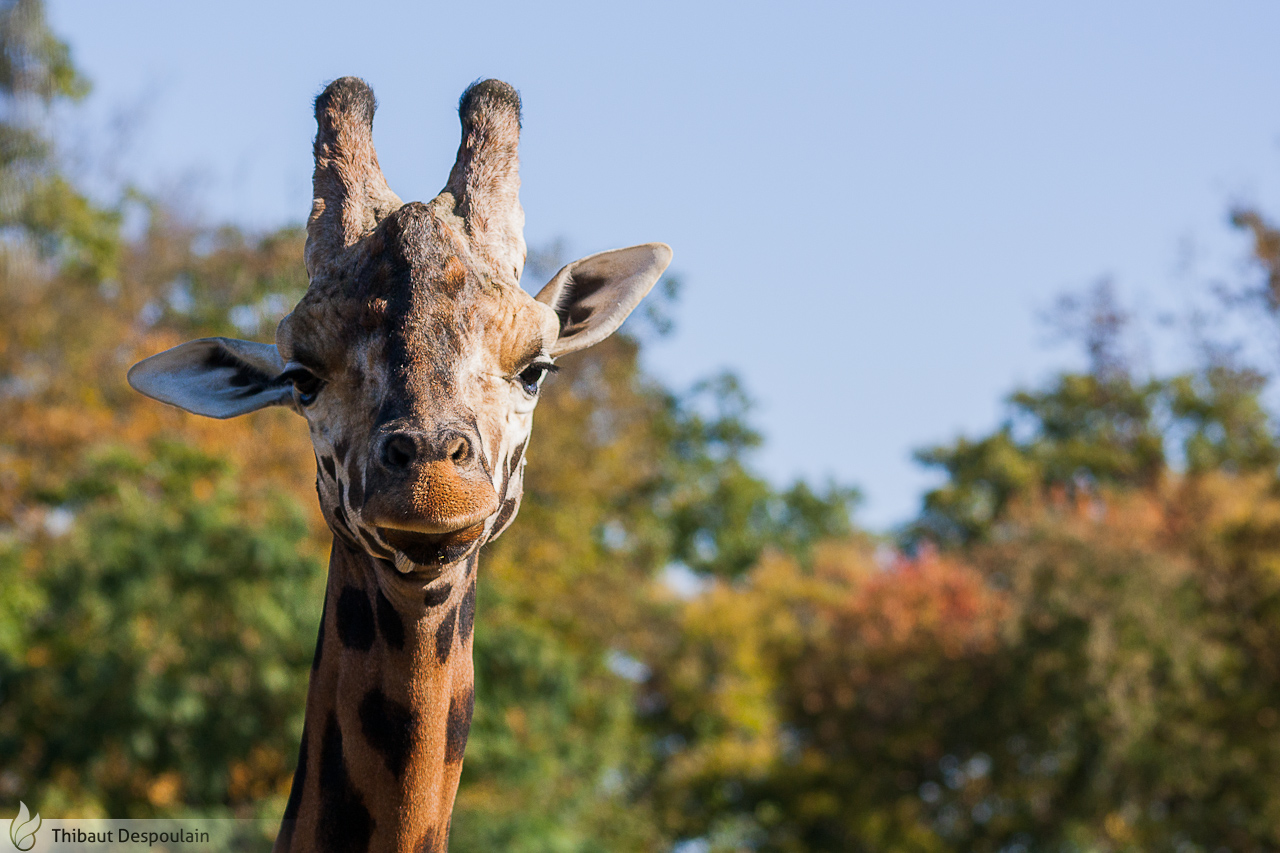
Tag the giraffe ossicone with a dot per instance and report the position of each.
(416, 359)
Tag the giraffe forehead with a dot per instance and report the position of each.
(415, 296)
(501, 326)
(440, 322)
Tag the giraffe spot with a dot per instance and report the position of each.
(514, 459)
(340, 449)
(355, 619)
(375, 311)
(377, 550)
(295, 796)
(355, 483)
(340, 519)
(439, 595)
(454, 278)
(482, 457)
(345, 825)
(459, 724)
(467, 613)
(324, 613)
(393, 407)
(326, 462)
(388, 727)
(509, 507)
(444, 636)
(389, 622)
(342, 528)
(432, 842)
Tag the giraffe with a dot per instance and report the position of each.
(417, 360)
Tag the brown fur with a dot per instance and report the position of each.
(351, 194)
(485, 181)
(407, 806)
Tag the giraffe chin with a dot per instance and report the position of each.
(417, 552)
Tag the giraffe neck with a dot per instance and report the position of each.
(388, 711)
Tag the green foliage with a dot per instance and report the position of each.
(162, 638)
(34, 63)
(37, 205)
(550, 757)
(1266, 252)
(1086, 431)
(1088, 666)
(67, 227)
(722, 515)
(35, 71)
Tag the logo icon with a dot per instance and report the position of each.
(22, 829)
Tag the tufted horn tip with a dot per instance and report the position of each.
(346, 99)
(488, 97)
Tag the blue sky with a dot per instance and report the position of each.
(869, 205)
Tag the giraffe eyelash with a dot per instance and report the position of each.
(305, 382)
(532, 377)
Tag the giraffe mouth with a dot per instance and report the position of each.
(432, 549)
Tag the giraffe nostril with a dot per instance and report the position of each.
(399, 451)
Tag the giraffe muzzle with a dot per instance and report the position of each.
(430, 496)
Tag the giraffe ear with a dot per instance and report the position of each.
(215, 377)
(594, 295)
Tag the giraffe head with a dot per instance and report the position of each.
(415, 356)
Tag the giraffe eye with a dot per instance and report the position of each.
(531, 377)
(306, 385)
